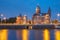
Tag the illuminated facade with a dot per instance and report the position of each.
(36, 16)
(46, 19)
(19, 20)
(24, 19)
(41, 18)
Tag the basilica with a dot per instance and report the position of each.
(41, 18)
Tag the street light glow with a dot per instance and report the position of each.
(4, 18)
(1, 15)
(58, 14)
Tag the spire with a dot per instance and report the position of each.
(38, 6)
(49, 11)
(38, 9)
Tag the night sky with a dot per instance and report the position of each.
(12, 8)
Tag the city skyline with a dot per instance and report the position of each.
(12, 8)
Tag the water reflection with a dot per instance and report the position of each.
(31, 35)
(46, 34)
(19, 34)
(35, 35)
(52, 36)
(3, 34)
(41, 34)
(25, 34)
(57, 34)
(12, 35)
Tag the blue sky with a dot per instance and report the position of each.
(12, 8)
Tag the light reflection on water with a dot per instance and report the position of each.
(53, 34)
(46, 34)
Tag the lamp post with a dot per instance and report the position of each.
(1, 17)
(4, 19)
(58, 15)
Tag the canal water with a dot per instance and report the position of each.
(25, 34)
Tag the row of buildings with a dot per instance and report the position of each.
(37, 18)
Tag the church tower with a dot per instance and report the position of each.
(37, 9)
(49, 12)
(36, 16)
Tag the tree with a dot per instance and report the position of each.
(12, 20)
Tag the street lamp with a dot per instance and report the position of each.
(1, 17)
(4, 19)
(58, 16)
